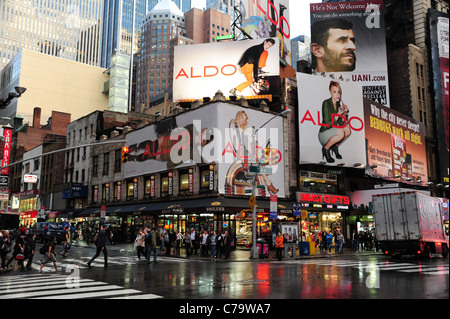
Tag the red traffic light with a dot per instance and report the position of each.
(125, 151)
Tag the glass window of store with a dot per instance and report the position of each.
(184, 182)
(206, 178)
(132, 188)
(164, 185)
(118, 191)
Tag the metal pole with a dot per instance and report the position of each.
(254, 252)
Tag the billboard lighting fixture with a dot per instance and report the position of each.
(233, 97)
(357, 165)
(373, 166)
(341, 164)
(322, 163)
(206, 99)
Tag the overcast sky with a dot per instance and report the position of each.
(299, 15)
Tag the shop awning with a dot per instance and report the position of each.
(213, 204)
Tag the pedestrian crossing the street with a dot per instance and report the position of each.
(422, 269)
(60, 286)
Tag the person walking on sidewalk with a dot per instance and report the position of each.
(18, 249)
(139, 244)
(279, 245)
(150, 241)
(30, 247)
(5, 247)
(340, 242)
(49, 254)
(213, 243)
(188, 244)
(66, 241)
(329, 241)
(178, 241)
(101, 246)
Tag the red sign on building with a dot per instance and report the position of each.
(7, 138)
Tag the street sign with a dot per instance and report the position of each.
(225, 37)
(252, 201)
(260, 169)
(3, 180)
(273, 206)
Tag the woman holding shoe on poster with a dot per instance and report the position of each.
(334, 129)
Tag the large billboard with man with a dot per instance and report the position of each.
(348, 42)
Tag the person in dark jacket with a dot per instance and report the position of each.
(251, 62)
(30, 247)
(18, 249)
(101, 246)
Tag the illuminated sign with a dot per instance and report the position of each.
(7, 138)
(328, 201)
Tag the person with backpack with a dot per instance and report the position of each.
(101, 246)
(30, 247)
(49, 252)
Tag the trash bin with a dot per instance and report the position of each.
(303, 247)
(263, 248)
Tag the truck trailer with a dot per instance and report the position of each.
(409, 223)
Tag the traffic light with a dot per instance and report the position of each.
(125, 151)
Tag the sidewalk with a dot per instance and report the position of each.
(238, 254)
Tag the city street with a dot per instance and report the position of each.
(348, 276)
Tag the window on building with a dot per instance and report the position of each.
(117, 160)
(105, 164)
(95, 165)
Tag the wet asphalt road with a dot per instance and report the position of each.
(348, 276)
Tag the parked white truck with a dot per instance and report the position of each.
(409, 223)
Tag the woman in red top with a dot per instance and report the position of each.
(279, 245)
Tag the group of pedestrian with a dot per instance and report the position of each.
(363, 240)
(327, 239)
(21, 245)
(210, 243)
(146, 243)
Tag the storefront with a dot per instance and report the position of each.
(26, 203)
(321, 212)
(213, 214)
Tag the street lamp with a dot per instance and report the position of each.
(253, 249)
(11, 95)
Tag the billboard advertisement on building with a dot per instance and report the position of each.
(268, 19)
(348, 41)
(238, 68)
(331, 121)
(439, 59)
(218, 133)
(395, 145)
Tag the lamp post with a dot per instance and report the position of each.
(253, 252)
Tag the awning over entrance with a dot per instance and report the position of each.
(214, 204)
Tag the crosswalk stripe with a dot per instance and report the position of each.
(92, 294)
(40, 284)
(422, 269)
(60, 292)
(83, 283)
(383, 265)
(145, 296)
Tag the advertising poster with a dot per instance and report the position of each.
(238, 68)
(395, 144)
(268, 19)
(348, 41)
(219, 134)
(439, 57)
(331, 121)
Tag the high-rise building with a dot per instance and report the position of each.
(225, 6)
(205, 26)
(162, 29)
(300, 50)
(122, 21)
(67, 29)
